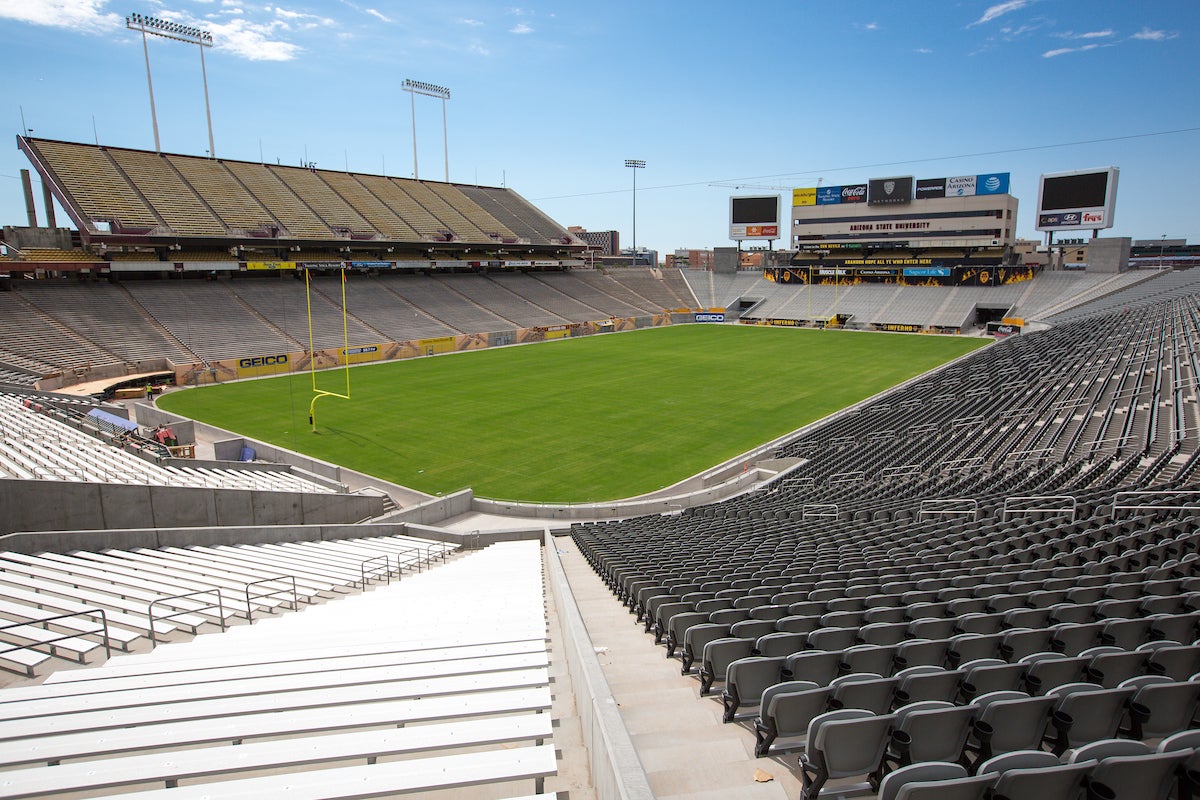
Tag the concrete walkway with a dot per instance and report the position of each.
(686, 750)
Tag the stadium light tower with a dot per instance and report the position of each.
(178, 33)
(635, 164)
(415, 88)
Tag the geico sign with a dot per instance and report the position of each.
(710, 318)
(263, 361)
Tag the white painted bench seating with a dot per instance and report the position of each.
(393, 777)
(230, 760)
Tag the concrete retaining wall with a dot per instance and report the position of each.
(62, 505)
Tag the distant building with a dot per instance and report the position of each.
(645, 257)
(603, 243)
(690, 259)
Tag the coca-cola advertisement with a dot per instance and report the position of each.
(854, 194)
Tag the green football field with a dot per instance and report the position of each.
(596, 418)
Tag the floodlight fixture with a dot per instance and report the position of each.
(635, 164)
(179, 33)
(415, 88)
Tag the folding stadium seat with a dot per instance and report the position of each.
(806, 608)
(751, 628)
(728, 616)
(935, 609)
(1034, 775)
(818, 666)
(1126, 634)
(986, 675)
(1016, 643)
(965, 647)
(917, 684)
(841, 744)
(1141, 774)
(862, 690)
(1045, 599)
(1085, 713)
(659, 615)
(1175, 627)
(1008, 721)
(1044, 671)
(1178, 662)
(832, 638)
(780, 644)
(677, 626)
(921, 652)
(1111, 667)
(785, 710)
(934, 780)
(883, 633)
(1072, 638)
(879, 659)
(745, 681)
(926, 731)
(1160, 707)
(884, 615)
(797, 624)
(1061, 613)
(696, 638)
(718, 655)
(932, 628)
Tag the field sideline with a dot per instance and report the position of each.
(589, 419)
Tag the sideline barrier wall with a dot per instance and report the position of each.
(286, 362)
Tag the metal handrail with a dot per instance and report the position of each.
(387, 569)
(295, 594)
(220, 606)
(87, 612)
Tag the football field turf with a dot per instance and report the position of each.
(594, 418)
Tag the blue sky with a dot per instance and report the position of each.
(551, 98)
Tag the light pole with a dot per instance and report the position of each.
(415, 88)
(179, 33)
(635, 164)
(1162, 247)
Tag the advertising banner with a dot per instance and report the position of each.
(961, 186)
(890, 191)
(829, 195)
(929, 188)
(270, 265)
(927, 272)
(804, 197)
(709, 317)
(257, 366)
(993, 183)
(854, 194)
(362, 354)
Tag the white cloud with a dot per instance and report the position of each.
(1064, 50)
(474, 23)
(1104, 34)
(1147, 35)
(999, 10)
(85, 16)
(871, 26)
(923, 51)
(521, 28)
(479, 49)
(377, 14)
(253, 41)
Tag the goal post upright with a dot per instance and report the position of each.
(312, 353)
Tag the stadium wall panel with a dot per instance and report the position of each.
(62, 505)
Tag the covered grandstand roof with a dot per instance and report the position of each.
(122, 195)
